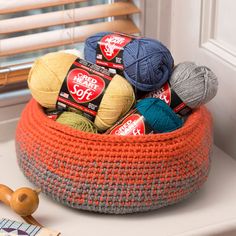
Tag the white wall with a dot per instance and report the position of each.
(205, 32)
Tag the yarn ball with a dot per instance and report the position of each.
(147, 62)
(159, 116)
(48, 73)
(116, 102)
(195, 85)
(76, 121)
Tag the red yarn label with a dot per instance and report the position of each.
(168, 95)
(83, 88)
(110, 51)
(53, 114)
(132, 124)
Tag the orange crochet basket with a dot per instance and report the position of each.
(113, 174)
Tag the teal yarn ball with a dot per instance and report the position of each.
(159, 116)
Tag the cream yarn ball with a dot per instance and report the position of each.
(48, 73)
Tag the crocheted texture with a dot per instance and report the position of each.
(113, 174)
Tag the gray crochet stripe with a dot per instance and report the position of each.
(111, 197)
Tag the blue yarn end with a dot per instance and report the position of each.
(147, 62)
(160, 117)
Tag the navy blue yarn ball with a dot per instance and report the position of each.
(160, 117)
(147, 62)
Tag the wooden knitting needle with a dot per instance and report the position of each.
(24, 201)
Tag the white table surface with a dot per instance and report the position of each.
(211, 211)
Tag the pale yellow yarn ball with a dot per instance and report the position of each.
(46, 77)
(117, 100)
(48, 73)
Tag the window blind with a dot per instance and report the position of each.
(28, 28)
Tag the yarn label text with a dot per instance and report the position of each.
(132, 124)
(83, 88)
(169, 96)
(110, 51)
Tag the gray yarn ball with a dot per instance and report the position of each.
(195, 85)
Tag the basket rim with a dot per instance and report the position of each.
(192, 122)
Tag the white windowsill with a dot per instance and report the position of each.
(11, 106)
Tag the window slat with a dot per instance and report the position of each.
(67, 16)
(81, 33)
(56, 38)
(16, 47)
(14, 76)
(13, 6)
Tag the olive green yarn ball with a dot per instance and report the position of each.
(76, 121)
